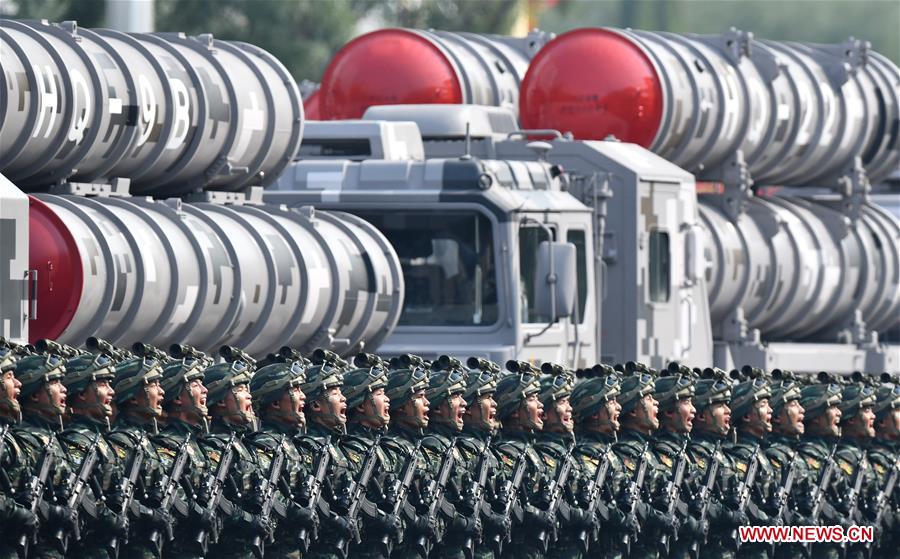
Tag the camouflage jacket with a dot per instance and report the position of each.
(765, 484)
(814, 452)
(852, 460)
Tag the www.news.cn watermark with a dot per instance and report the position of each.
(806, 534)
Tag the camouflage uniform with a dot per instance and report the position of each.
(744, 396)
(512, 393)
(883, 456)
(240, 523)
(108, 521)
(180, 436)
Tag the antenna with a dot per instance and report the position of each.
(468, 154)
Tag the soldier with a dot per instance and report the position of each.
(712, 423)
(231, 408)
(185, 411)
(855, 478)
(448, 407)
(409, 418)
(821, 426)
(479, 426)
(279, 401)
(326, 434)
(139, 399)
(520, 412)
(639, 420)
(90, 397)
(674, 393)
(596, 411)
(16, 518)
(884, 454)
(555, 443)
(750, 406)
(781, 452)
(43, 404)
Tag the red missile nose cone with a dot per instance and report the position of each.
(387, 67)
(312, 109)
(52, 252)
(593, 82)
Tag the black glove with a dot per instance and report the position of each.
(207, 521)
(539, 519)
(62, 517)
(305, 517)
(737, 518)
(581, 518)
(427, 526)
(344, 527)
(697, 529)
(467, 526)
(23, 521)
(389, 524)
(113, 524)
(497, 523)
(158, 520)
(255, 525)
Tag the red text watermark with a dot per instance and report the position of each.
(806, 534)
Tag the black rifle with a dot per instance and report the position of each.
(555, 492)
(633, 497)
(506, 497)
(671, 495)
(882, 498)
(474, 495)
(435, 490)
(853, 497)
(705, 497)
(126, 489)
(818, 496)
(3, 430)
(594, 492)
(170, 491)
(312, 486)
(744, 492)
(397, 492)
(268, 492)
(357, 492)
(211, 491)
(77, 485)
(34, 495)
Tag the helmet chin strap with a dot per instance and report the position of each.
(373, 418)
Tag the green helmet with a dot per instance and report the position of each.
(817, 398)
(785, 388)
(635, 386)
(513, 389)
(480, 380)
(403, 384)
(320, 379)
(176, 376)
(677, 384)
(370, 375)
(854, 398)
(555, 387)
(591, 394)
(82, 370)
(133, 375)
(747, 393)
(220, 379)
(269, 382)
(35, 372)
(887, 399)
(447, 379)
(7, 359)
(713, 388)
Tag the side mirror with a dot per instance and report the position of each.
(555, 280)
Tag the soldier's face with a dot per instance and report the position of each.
(560, 415)
(483, 413)
(52, 397)
(97, 399)
(11, 387)
(790, 419)
(331, 409)
(828, 424)
(455, 409)
(684, 415)
(293, 400)
(889, 426)
(376, 410)
(761, 416)
(151, 398)
(238, 405)
(647, 413)
(716, 418)
(534, 412)
(862, 426)
(419, 408)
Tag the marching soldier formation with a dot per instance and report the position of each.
(114, 453)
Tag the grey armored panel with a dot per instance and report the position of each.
(360, 139)
(13, 262)
(450, 121)
(172, 113)
(205, 274)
